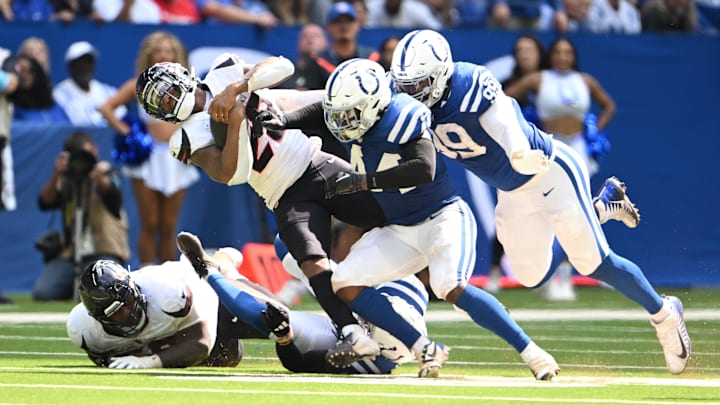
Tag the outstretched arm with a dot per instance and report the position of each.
(269, 72)
(417, 168)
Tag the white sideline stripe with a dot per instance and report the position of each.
(447, 380)
(520, 315)
(490, 382)
(468, 363)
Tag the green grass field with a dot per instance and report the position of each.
(607, 350)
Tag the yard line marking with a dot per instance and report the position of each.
(350, 394)
(520, 315)
(451, 380)
(582, 351)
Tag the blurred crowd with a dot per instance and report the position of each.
(328, 36)
(598, 16)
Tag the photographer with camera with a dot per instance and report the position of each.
(94, 225)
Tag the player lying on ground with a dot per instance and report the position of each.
(158, 316)
(302, 338)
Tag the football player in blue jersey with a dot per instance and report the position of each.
(543, 186)
(303, 338)
(391, 150)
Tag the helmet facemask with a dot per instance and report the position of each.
(422, 66)
(167, 92)
(356, 95)
(346, 123)
(126, 315)
(113, 299)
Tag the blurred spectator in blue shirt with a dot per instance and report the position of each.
(26, 10)
(522, 14)
(471, 13)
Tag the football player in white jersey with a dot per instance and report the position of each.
(158, 316)
(543, 186)
(286, 168)
(303, 339)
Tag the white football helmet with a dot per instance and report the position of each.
(356, 94)
(167, 80)
(422, 65)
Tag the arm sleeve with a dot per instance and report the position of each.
(418, 167)
(501, 123)
(310, 119)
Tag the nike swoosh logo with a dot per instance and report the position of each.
(331, 160)
(545, 194)
(683, 355)
(343, 177)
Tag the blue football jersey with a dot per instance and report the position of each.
(459, 132)
(405, 120)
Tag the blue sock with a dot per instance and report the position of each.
(239, 303)
(375, 307)
(489, 313)
(626, 277)
(558, 256)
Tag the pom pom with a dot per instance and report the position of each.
(598, 144)
(135, 148)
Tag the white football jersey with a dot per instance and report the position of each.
(169, 289)
(279, 158)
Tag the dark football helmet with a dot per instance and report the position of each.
(167, 80)
(113, 298)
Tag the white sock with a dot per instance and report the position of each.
(662, 314)
(419, 345)
(528, 352)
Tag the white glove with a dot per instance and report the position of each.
(530, 161)
(136, 362)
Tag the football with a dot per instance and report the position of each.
(219, 132)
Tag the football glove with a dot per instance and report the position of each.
(530, 161)
(100, 359)
(136, 362)
(270, 120)
(278, 321)
(344, 183)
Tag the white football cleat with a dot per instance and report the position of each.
(674, 337)
(235, 255)
(541, 363)
(432, 357)
(356, 345)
